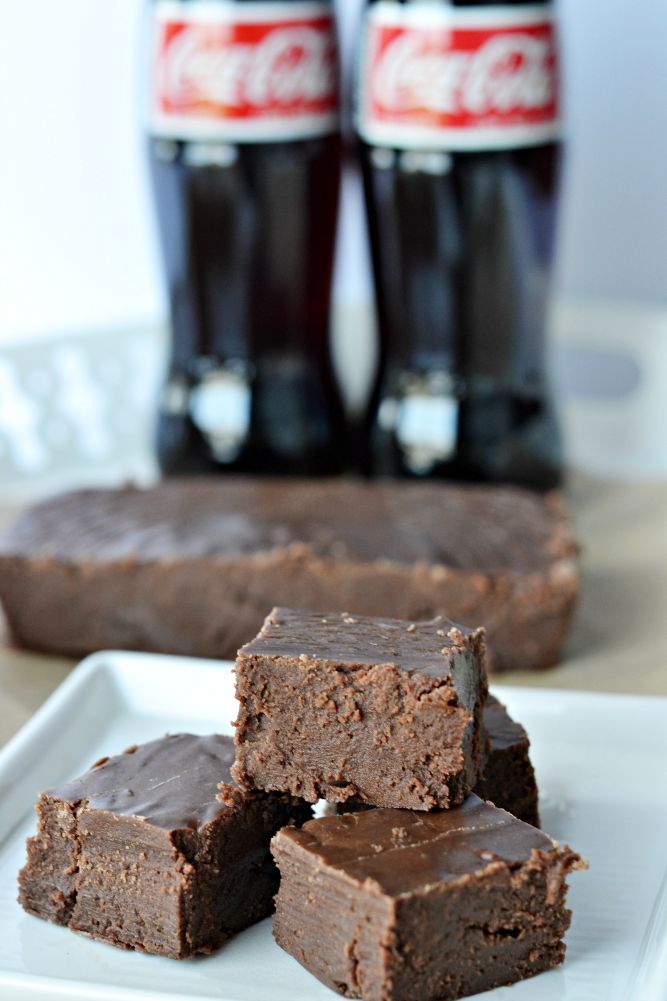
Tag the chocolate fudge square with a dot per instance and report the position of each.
(146, 851)
(395, 905)
(344, 707)
(508, 779)
(192, 566)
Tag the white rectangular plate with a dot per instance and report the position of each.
(601, 762)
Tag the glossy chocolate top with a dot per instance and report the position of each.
(502, 730)
(404, 851)
(172, 782)
(468, 527)
(436, 649)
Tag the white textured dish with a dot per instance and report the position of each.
(601, 762)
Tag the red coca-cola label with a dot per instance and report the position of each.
(435, 76)
(253, 72)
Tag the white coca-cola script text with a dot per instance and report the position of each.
(508, 72)
(288, 66)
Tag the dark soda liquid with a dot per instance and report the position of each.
(247, 233)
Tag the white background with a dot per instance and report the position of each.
(77, 245)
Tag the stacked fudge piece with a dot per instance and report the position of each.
(379, 711)
(157, 849)
(424, 891)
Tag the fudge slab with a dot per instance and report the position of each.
(508, 779)
(343, 707)
(394, 905)
(146, 851)
(193, 566)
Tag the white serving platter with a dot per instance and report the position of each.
(601, 762)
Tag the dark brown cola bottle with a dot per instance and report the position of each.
(458, 119)
(245, 156)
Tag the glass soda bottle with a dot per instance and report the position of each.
(245, 159)
(457, 114)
